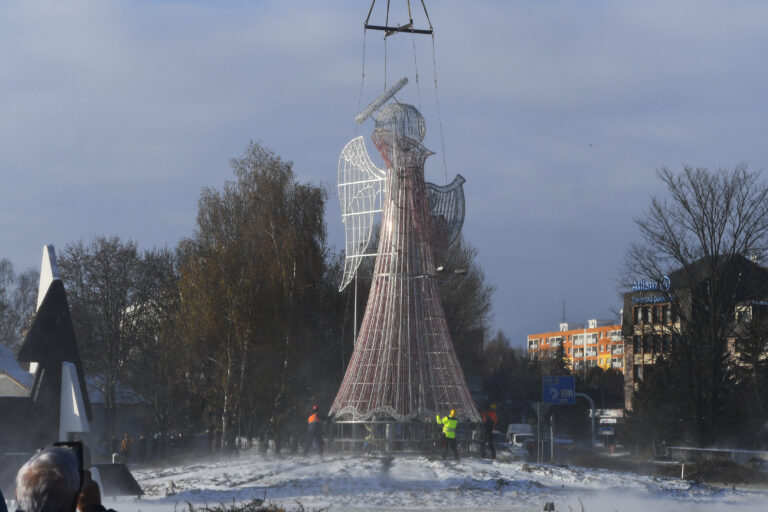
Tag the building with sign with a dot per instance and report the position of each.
(651, 315)
(596, 343)
(607, 421)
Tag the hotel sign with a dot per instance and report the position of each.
(646, 285)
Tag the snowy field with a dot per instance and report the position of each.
(353, 483)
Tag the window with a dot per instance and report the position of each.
(666, 343)
(638, 315)
(673, 315)
(646, 344)
(648, 314)
(636, 344)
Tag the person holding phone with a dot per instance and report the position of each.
(90, 496)
(49, 481)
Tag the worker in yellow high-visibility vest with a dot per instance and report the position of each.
(449, 433)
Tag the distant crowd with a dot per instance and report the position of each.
(160, 447)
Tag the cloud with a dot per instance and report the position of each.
(116, 114)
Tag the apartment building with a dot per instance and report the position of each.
(596, 343)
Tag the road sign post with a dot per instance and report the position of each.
(558, 390)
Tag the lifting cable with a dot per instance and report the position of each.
(439, 115)
(362, 83)
(386, 24)
(416, 67)
(407, 28)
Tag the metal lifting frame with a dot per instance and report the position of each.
(404, 28)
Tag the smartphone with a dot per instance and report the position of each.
(77, 449)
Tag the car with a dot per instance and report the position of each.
(510, 452)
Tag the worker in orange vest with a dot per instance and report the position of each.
(315, 429)
(490, 418)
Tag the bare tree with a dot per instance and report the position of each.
(102, 288)
(753, 369)
(467, 301)
(18, 294)
(250, 283)
(703, 235)
(158, 360)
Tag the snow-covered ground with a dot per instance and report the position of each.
(354, 482)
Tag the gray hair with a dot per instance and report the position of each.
(48, 482)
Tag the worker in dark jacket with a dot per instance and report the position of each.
(315, 429)
(449, 433)
(490, 418)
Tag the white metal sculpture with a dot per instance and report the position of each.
(446, 210)
(362, 187)
(403, 366)
(361, 192)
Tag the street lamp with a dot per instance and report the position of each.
(442, 269)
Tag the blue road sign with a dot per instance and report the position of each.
(558, 390)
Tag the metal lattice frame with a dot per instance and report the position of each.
(446, 209)
(404, 366)
(361, 191)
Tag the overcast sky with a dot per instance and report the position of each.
(114, 115)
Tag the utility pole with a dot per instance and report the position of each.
(538, 433)
(552, 437)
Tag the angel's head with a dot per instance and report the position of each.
(401, 119)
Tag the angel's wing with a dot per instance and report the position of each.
(446, 209)
(362, 188)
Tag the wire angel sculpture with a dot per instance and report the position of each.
(403, 366)
(362, 188)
